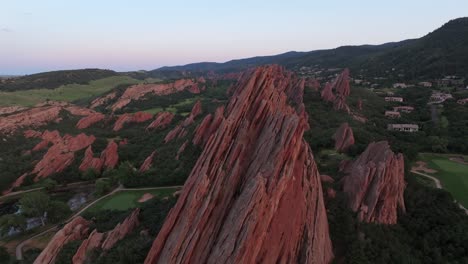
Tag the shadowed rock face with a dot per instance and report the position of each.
(208, 126)
(343, 137)
(77, 229)
(254, 194)
(181, 129)
(374, 184)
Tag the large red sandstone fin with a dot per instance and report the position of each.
(344, 137)
(254, 194)
(374, 184)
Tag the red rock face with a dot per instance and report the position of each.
(162, 120)
(327, 93)
(312, 83)
(359, 104)
(110, 157)
(61, 154)
(374, 184)
(148, 162)
(208, 126)
(341, 83)
(33, 118)
(254, 194)
(32, 134)
(77, 229)
(326, 178)
(344, 137)
(90, 120)
(103, 100)
(181, 149)
(90, 162)
(180, 130)
(136, 92)
(138, 117)
(10, 109)
(106, 240)
(121, 230)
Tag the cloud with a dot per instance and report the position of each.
(6, 30)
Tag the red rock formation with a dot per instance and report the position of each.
(16, 184)
(312, 83)
(106, 241)
(254, 194)
(331, 194)
(180, 130)
(121, 230)
(208, 126)
(103, 100)
(326, 178)
(10, 109)
(344, 137)
(31, 118)
(138, 117)
(374, 184)
(327, 93)
(341, 83)
(94, 241)
(109, 156)
(359, 104)
(162, 120)
(123, 142)
(148, 162)
(77, 229)
(32, 134)
(181, 149)
(340, 104)
(90, 162)
(136, 92)
(90, 120)
(61, 154)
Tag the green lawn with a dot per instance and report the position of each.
(128, 199)
(70, 92)
(453, 175)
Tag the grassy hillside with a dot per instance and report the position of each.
(54, 79)
(69, 92)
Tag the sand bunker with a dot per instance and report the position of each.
(422, 166)
(145, 197)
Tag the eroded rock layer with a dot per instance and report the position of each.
(254, 194)
(374, 184)
(344, 137)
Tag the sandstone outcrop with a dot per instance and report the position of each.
(254, 194)
(181, 149)
(359, 104)
(103, 100)
(109, 156)
(312, 83)
(106, 241)
(77, 229)
(344, 137)
(89, 120)
(138, 91)
(208, 126)
(61, 154)
(162, 120)
(180, 130)
(327, 93)
(10, 109)
(148, 162)
(374, 184)
(326, 178)
(90, 162)
(138, 117)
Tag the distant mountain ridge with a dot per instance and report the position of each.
(441, 52)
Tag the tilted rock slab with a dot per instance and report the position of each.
(254, 195)
(374, 184)
(344, 137)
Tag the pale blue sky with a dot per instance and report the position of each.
(142, 34)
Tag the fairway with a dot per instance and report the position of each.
(68, 93)
(124, 200)
(453, 175)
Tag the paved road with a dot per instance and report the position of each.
(439, 186)
(19, 247)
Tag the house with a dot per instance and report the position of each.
(462, 101)
(450, 81)
(405, 109)
(438, 97)
(393, 99)
(392, 114)
(399, 85)
(403, 127)
(425, 84)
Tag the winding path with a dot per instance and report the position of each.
(438, 186)
(19, 247)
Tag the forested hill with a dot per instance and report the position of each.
(54, 79)
(441, 52)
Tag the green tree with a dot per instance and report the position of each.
(103, 186)
(49, 184)
(58, 211)
(89, 175)
(35, 204)
(4, 255)
(9, 221)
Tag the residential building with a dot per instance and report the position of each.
(425, 84)
(403, 127)
(392, 114)
(399, 85)
(438, 97)
(404, 109)
(393, 99)
(462, 101)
